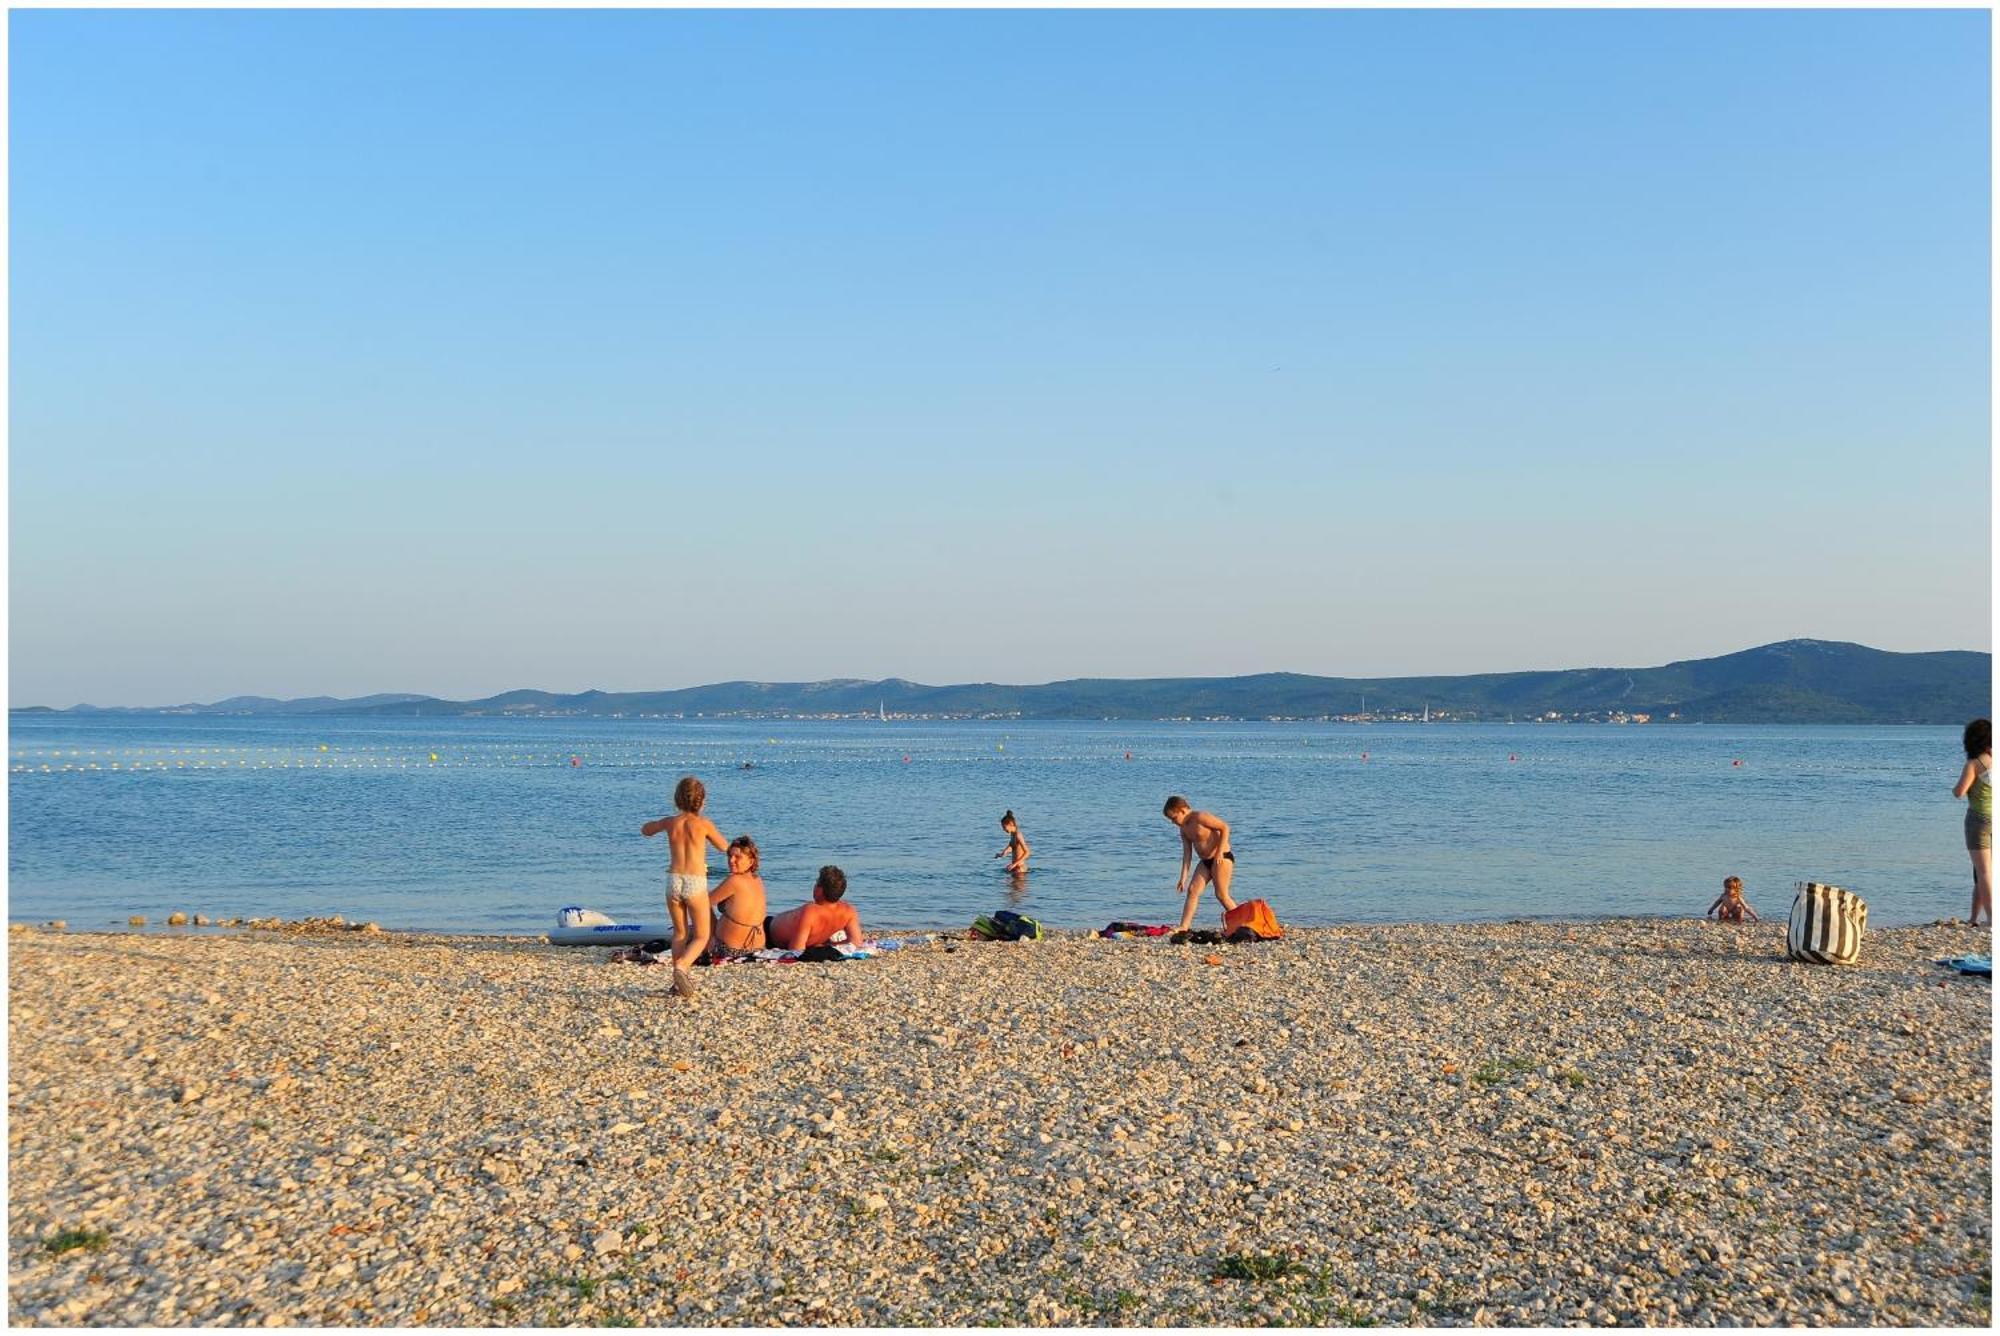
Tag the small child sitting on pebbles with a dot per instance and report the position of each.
(1730, 907)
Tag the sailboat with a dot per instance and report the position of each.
(1427, 712)
(880, 712)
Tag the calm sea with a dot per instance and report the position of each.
(490, 825)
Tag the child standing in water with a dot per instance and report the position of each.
(1017, 850)
(689, 834)
(1730, 907)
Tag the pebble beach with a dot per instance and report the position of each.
(1632, 1121)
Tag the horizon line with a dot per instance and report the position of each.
(414, 696)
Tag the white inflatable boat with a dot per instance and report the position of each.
(577, 926)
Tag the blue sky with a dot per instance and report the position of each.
(453, 352)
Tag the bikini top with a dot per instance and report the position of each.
(723, 909)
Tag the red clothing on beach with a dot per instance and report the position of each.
(814, 923)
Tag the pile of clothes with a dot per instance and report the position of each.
(1120, 928)
(660, 953)
(656, 952)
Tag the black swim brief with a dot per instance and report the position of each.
(1208, 864)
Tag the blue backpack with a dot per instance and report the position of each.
(1018, 927)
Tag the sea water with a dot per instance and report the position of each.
(492, 824)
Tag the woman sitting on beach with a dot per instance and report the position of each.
(739, 904)
(1975, 785)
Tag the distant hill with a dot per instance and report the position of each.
(1795, 681)
(242, 705)
(299, 705)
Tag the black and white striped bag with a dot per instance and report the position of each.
(1827, 924)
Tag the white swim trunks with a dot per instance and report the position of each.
(680, 885)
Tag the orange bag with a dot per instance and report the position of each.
(1255, 915)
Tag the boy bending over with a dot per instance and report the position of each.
(1205, 849)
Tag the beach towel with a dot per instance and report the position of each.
(826, 953)
(1827, 925)
(1981, 966)
(1121, 928)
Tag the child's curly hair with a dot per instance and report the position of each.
(1733, 884)
(689, 795)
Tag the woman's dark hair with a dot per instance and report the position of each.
(832, 881)
(748, 846)
(1978, 738)
(1007, 816)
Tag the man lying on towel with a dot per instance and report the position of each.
(815, 923)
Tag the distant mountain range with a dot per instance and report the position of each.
(1795, 681)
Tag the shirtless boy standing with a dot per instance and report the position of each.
(1205, 849)
(689, 834)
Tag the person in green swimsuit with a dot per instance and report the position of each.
(1975, 785)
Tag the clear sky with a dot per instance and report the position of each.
(452, 352)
